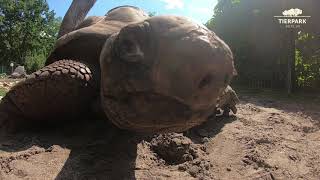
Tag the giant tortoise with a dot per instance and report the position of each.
(145, 74)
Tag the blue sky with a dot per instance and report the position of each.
(199, 10)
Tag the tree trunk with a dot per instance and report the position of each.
(294, 78)
(75, 15)
(291, 56)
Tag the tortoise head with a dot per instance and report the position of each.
(163, 74)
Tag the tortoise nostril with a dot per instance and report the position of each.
(128, 46)
(205, 81)
(226, 79)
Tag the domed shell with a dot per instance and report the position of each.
(86, 41)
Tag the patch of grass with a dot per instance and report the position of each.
(3, 76)
(3, 92)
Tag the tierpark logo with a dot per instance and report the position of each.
(292, 18)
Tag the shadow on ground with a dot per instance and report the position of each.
(209, 129)
(98, 150)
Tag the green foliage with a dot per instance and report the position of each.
(210, 23)
(35, 62)
(308, 60)
(151, 14)
(261, 47)
(27, 29)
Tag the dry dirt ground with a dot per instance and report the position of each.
(270, 138)
(6, 84)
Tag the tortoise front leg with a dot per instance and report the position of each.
(227, 101)
(60, 91)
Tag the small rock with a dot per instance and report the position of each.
(188, 157)
(207, 166)
(174, 148)
(53, 148)
(205, 140)
(228, 169)
(194, 170)
(293, 157)
(197, 162)
(182, 167)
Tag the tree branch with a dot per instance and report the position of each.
(75, 15)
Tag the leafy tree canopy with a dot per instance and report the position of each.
(28, 30)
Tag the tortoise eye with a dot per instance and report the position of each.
(130, 51)
(205, 81)
(127, 46)
(131, 43)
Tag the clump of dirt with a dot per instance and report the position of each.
(198, 168)
(180, 151)
(5, 162)
(174, 148)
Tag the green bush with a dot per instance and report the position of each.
(308, 60)
(35, 62)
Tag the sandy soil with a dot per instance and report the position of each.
(6, 84)
(269, 138)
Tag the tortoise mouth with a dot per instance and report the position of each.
(151, 112)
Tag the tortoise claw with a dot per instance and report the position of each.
(226, 112)
(234, 109)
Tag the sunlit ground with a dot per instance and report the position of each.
(273, 136)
